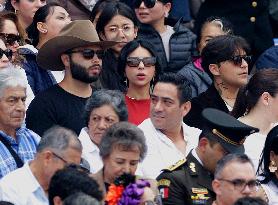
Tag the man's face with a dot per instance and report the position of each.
(84, 66)
(57, 161)
(227, 187)
(12, 108)
(166, 111)
(212, 154)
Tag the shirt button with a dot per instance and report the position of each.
(254, 4)
(253, 19)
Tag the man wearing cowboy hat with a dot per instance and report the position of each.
(78, 51)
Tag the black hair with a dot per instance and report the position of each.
(129, 48)
(222, 48)
(250, 201)
(265, 80)
(183, 87)
(225, 25)
(40, 16)
(112, 9)
(5, 203)
(68, 181)
(271, 144)
(98, 7)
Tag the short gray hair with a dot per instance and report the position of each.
(228, 159)
(102, 97)
(123, 134)
(59, 139)
(80, 198)
(12, 77)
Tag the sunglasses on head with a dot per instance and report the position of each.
(10, 39)
(237, 60)
(148, 3)
(89, 53)
(7, 52)
(135, 61)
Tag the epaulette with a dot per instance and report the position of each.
(175, 166)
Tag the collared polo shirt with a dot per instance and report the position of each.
(22, 188)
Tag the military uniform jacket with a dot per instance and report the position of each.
(185, 183)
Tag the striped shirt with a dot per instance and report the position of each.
(25, 146)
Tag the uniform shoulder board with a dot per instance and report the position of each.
(176, 165)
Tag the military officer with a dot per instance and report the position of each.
(190, 181)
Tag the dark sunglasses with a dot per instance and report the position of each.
(237, 60)
(135, 61)
(10, 39)
(89, 53)
(148, 3)
(7, 52)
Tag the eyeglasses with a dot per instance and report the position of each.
(8, 53)
(61, 158)
(148, 3)
(237, 60)
(79, 168)
(135, 61)
(126, 29)
(10, 39)
(89, 53)
(240, 184)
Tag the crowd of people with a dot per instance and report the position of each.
(138, 102)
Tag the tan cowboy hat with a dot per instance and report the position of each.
(76, 34)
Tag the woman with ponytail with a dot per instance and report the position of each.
(256, 105)
(47, 23)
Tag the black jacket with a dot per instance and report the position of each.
(250, 19)
(207, 99)
(180, 184)
(182, 46)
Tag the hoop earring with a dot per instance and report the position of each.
(272, 167)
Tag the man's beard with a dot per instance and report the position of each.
(79, 72)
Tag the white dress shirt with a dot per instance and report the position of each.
(20, 187)
(162, 152)
(254, 145)
(90, 151)
(271, 191)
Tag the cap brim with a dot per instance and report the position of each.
(232, 148)
(49, 55)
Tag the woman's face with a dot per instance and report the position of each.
(120, 29)
(55, 21)
(9, 27)
(120, 161)
(26, 9)
(4, 61)
(100, 120)
(209, 31)
(140, 75)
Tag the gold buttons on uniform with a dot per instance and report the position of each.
(253, 19)
(254, 4)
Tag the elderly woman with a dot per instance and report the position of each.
(122, 147)
(103, 109)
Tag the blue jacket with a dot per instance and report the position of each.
(39, 79)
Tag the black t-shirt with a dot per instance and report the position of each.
(55, 106)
